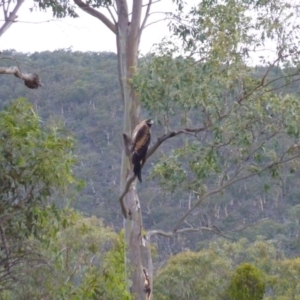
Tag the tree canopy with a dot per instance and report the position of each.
(35, 164)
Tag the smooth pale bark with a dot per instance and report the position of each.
(127, 30)
(31, 80)
(138, 256)
(9, 14)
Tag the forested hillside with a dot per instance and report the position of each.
(81, 90)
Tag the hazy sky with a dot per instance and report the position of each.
(38, 31)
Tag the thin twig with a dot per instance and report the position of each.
(248, 225)
(111, 14)
(146, 17)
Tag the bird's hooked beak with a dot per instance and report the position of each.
(150, 122)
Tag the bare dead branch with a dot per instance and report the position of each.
(212, 229)
(95, 13)
(31, 80)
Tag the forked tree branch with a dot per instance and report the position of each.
(11, 17)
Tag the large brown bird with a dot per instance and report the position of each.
(141, 137)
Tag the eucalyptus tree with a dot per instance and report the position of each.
(127, 24)
(237, 125)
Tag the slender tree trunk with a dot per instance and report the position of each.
(138, 257)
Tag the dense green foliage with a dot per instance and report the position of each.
(247, 283)
(63, 8)
(219, 271)
(287, 280)
(85, 260)
(190, 275)
(35, 164)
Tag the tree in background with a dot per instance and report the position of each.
(224, 270)
(247, 283)
(286, 284)
(85, 260)
(190, 275)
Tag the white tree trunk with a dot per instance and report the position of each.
(138, 257)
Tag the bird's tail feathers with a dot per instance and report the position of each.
(137, 170)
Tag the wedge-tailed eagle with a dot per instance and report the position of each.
(141, 137)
